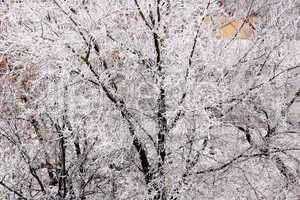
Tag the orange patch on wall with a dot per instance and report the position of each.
(241, 29)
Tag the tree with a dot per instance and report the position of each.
(140, 100)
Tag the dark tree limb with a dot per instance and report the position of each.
(13, 190)
(142, 15)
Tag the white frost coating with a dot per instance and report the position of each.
(145, 100)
